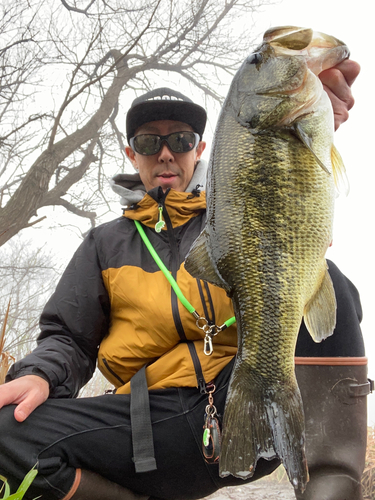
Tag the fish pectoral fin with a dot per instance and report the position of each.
(304, 137)
(199, 264)
(339, 172)
(320, 311)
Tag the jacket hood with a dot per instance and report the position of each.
(131, 189)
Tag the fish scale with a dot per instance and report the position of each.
(270, 202)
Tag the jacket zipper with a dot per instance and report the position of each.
(210, 319)
(174, 299)
(105, 363)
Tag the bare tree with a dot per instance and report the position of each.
(28, 275)
(68, 70)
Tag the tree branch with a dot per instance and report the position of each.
(117, 63)
(29, 224)
(228, 6)
(17, 129)
(73, 176)
(74, 9)
(17, 42)
(77, 211)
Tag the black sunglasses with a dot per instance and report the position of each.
(178, 142)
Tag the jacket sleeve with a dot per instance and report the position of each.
(73, 323)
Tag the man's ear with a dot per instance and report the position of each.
(131, 155)
(200, 148)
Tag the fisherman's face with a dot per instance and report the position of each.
(165, 168)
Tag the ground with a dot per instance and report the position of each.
(259, 490)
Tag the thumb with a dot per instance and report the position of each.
(28, 405)
(24, 409)
(32, 397)
(27, 392)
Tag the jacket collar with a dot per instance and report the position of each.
(143, 206)
(181, 207)
(131, 189)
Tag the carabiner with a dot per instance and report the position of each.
(207, 345)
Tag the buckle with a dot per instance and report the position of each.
(372, 385)
(347, 390)
(359, 390)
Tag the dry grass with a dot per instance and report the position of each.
(368, 478)
(6, 359)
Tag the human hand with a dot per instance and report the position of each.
(337, 82)
(26, 392)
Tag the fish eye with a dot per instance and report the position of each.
(255, 58)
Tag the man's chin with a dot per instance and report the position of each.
(165, 183)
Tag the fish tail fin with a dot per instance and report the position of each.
(263, 423)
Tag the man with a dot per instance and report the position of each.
(115, 306)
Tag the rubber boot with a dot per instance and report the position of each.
(91, 486)
(334, 399)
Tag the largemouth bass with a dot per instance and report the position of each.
(270, 203)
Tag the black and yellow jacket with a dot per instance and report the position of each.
(114, 305)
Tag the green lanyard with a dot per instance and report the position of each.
(201, 322)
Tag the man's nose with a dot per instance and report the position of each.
(165, 154)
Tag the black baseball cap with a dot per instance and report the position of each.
(165, 104)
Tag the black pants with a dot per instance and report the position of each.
(94, 433)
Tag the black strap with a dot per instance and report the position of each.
(348, 390)
(140, 418)
(197, 367)
(358, 390)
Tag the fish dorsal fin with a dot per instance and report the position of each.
(339, 172)
(199, 263)
(320, 311)
(307, 141)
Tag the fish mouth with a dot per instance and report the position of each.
(289, 37)
(321, 51)
(325, 52)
